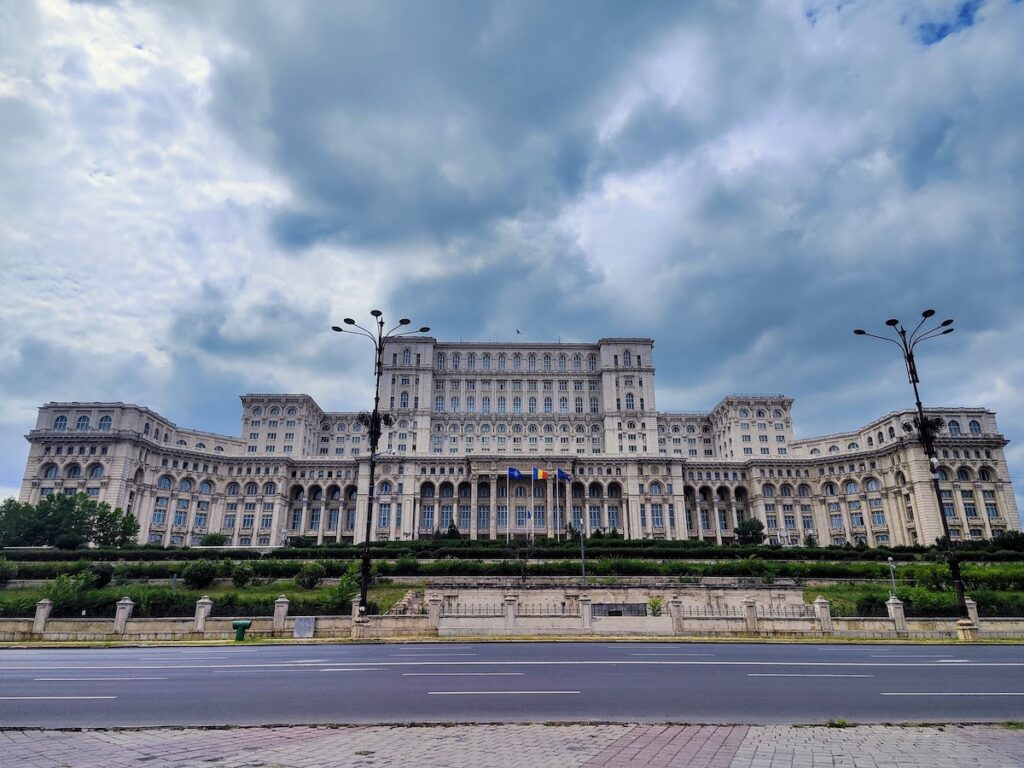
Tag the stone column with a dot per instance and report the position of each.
(203, 607)
(586, 612)
(511, 602)
(434, 610)
(473, 501)
(492, 519)
(972, 611)
(43, 608)
(675, 610)
(823, 611)
(124, 612)
(280, 613)
(750, 613)
(895, 608)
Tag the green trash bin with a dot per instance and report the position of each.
(240, 626)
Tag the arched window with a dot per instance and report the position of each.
(881, 437)
(342, 427)
(501, 361)
(105, 423)
(892, 433)
(547, 362)
(427, 491)
(61, 423)
(815, 452)
(185, 485)
(257, 411)
(517, 361)
(501, 404)
(963, 475)
(852, 447)
(768, 490)
(851, 486)
(630, 401)
(577, 362)
(164, 483)
(456, 359)
(871, 484)
(440, 361)
(760, 414)
(232, 489)
(181, 442)
(654, 489)
(269, 489)
(984, 475)
(406, 356)
(82, 423)
(95, 472)
(73, 472)
(975, 427)
(275, 411)
(206, 487)
(485, 404)
(385, 488)
(548, 405)
(804, 491)
(50, 473)
(777, 414)
(293, 411)
(517, 405)
(403, 400)
(579, 405)
(561, 362)
(471, 361)
(200, 445)
(786, 490)
(833, 449)
(954, 427)
(592, 362)
(251, 489)
(871, 441)
(563, 405)
(532, 405)
(942, 475)
(744, 413)
(830, 489)
(487, 361)
(531, 362)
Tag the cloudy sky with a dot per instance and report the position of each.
(191, 194)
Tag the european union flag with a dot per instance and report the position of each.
(514, 474)
(560, 475)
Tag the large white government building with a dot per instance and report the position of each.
(466, 412)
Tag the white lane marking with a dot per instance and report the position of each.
(499, 693)
(293, 666)
(432, 655)
(797, 674)
(955, 693)
(671, 653)
(911, 655)
(953, 661)
(71, 679)
(462, 674)
(52, 698)
(351, 669)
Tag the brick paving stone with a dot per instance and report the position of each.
(516, 746)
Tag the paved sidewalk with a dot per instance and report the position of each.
(519, 746)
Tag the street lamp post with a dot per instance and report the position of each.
(926, 426)
(373, 421)
(892, 577)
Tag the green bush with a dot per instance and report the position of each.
(69, 541)
(242, 574)
(311, 575)
(6, 572)
(199, 574)
(213, 539)
(68, 594)
(101, 574)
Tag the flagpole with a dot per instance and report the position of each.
(508, 492)
(530, 510)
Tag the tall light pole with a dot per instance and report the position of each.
(373, 421)
(926, 426)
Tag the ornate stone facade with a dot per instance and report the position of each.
(466, 412)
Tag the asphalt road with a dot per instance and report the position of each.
(510, 682)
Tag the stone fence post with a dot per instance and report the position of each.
(899, 618)
(750, 613)
(43, 608)
(823, 609)
(124, 612)
(586, 612)
(511, 603)
(280, 613)
(203, 607)
(434, 611)
(972, 611)
(675, 610)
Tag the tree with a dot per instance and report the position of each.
(199, 574)
(68, 517)
(310, 575)
(749, 531)
(16, 520)
(213, 539)
(453, 531)
(113, 527)
(347, 587)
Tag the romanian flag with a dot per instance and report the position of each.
(514, 474)
(540, 474)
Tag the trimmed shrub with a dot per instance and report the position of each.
(199, 574)
(214, 539)
(101, 574)
(242, 575)
(311, 575)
